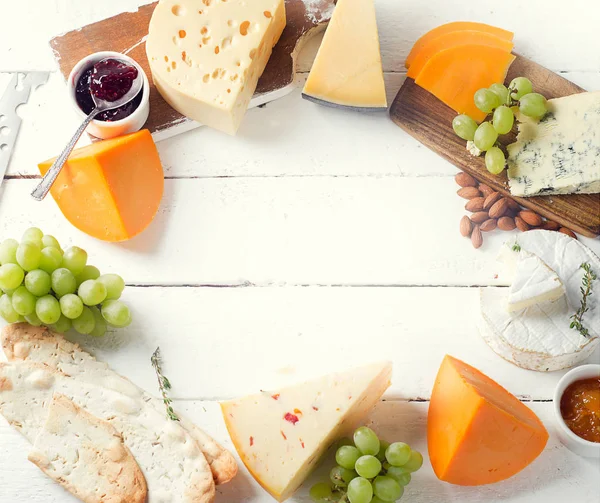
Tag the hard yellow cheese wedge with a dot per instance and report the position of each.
(347, 70)
(281, 435)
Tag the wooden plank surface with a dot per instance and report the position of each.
(428, 120)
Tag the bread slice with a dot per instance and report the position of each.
(87, 456)
(22, 342)
(175, 469)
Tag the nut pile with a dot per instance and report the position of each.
(490, 210)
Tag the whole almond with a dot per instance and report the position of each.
(475, 204)
(499, 208)
(476, 237)
(566, 231)
(468, 192)
(479, 217)
(465, 180)
(531, 218)
(506, 223)
(486, 190)
(488, 225)
(512, 204)
(465, 226)
(550, 225)
(491, 199)
(521, 225)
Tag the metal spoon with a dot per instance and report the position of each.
(41, 191)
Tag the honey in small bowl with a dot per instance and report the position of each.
(580, 408)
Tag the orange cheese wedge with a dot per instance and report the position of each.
(111, 189)
(454, 74)
(477, 432)
(455, 39)
(452, 27)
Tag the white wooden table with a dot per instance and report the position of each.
(315, 240)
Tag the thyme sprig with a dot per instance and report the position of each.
(516, 247)
(163, 384)
(586, 291)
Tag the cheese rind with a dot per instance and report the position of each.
(206, 57)
(560, 154)
(281, 435)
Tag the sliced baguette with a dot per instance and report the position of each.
(87, 456)
(23, 342)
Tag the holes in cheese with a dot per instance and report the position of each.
(477, 432)
(453, 75)
(111, 189)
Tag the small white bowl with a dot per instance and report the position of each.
(575, 443)
(102, 129)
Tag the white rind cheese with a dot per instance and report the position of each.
(560, 154)
(206, 56)
(281, 435)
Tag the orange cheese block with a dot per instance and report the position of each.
(477, 432)
(454, 39)
(452, 27)
(111, 189)
(454, 74)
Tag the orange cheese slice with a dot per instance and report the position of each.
(477, 432)
(111, 189)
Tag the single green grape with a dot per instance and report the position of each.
(341, 476)
(400, 474)
(320, 492)
(63, 325)
(346, 456)
(92, 292)
(23, 301)
(116, 313)
(33, 319)
(387, 488)
(495, 160)
(398, 453)
(519, 87)
(85, 322)
(368, 466)
(47, 309)
(63, 282)
(71, 306)
(464, 127)
(38, 282)
(485, 136)
(49, 241)
(377, 500)
(100, 326)
(415, 462)
(8, 251)
(50, 260)
(11, 276)
(114, 285)
(33, 235)
(366, 441)
(383, 445)
(360, 490)
(501, 91)
(75, 259)
(533, 105)
(29, 256)
(486, 100)
(7, 311)
(503, 119)
(89, 272)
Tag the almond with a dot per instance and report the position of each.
(491, 199)
(550, 225)
(499, 208)
(564, 230)
(465, 180)
(465, 226)
(476, 237)
(488, 225)
(506, 223)
(479, 217)
(512, 204)
(486, 190)
(475, 204)
(531, 218)
(521, 225)
(468, 192)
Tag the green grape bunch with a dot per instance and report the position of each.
(502, 102)
(42, 284)
(368, 470)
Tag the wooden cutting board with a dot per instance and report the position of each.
(429, 120)
(126, 33)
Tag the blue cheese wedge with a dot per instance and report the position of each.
(560, 154)
(281, 435)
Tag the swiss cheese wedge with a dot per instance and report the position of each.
(280, 435)
(477, 432)
(347, 70)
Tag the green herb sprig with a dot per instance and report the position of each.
(516, 247)
(163, 384)
(586, 291)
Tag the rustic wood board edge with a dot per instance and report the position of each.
(428, 120)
